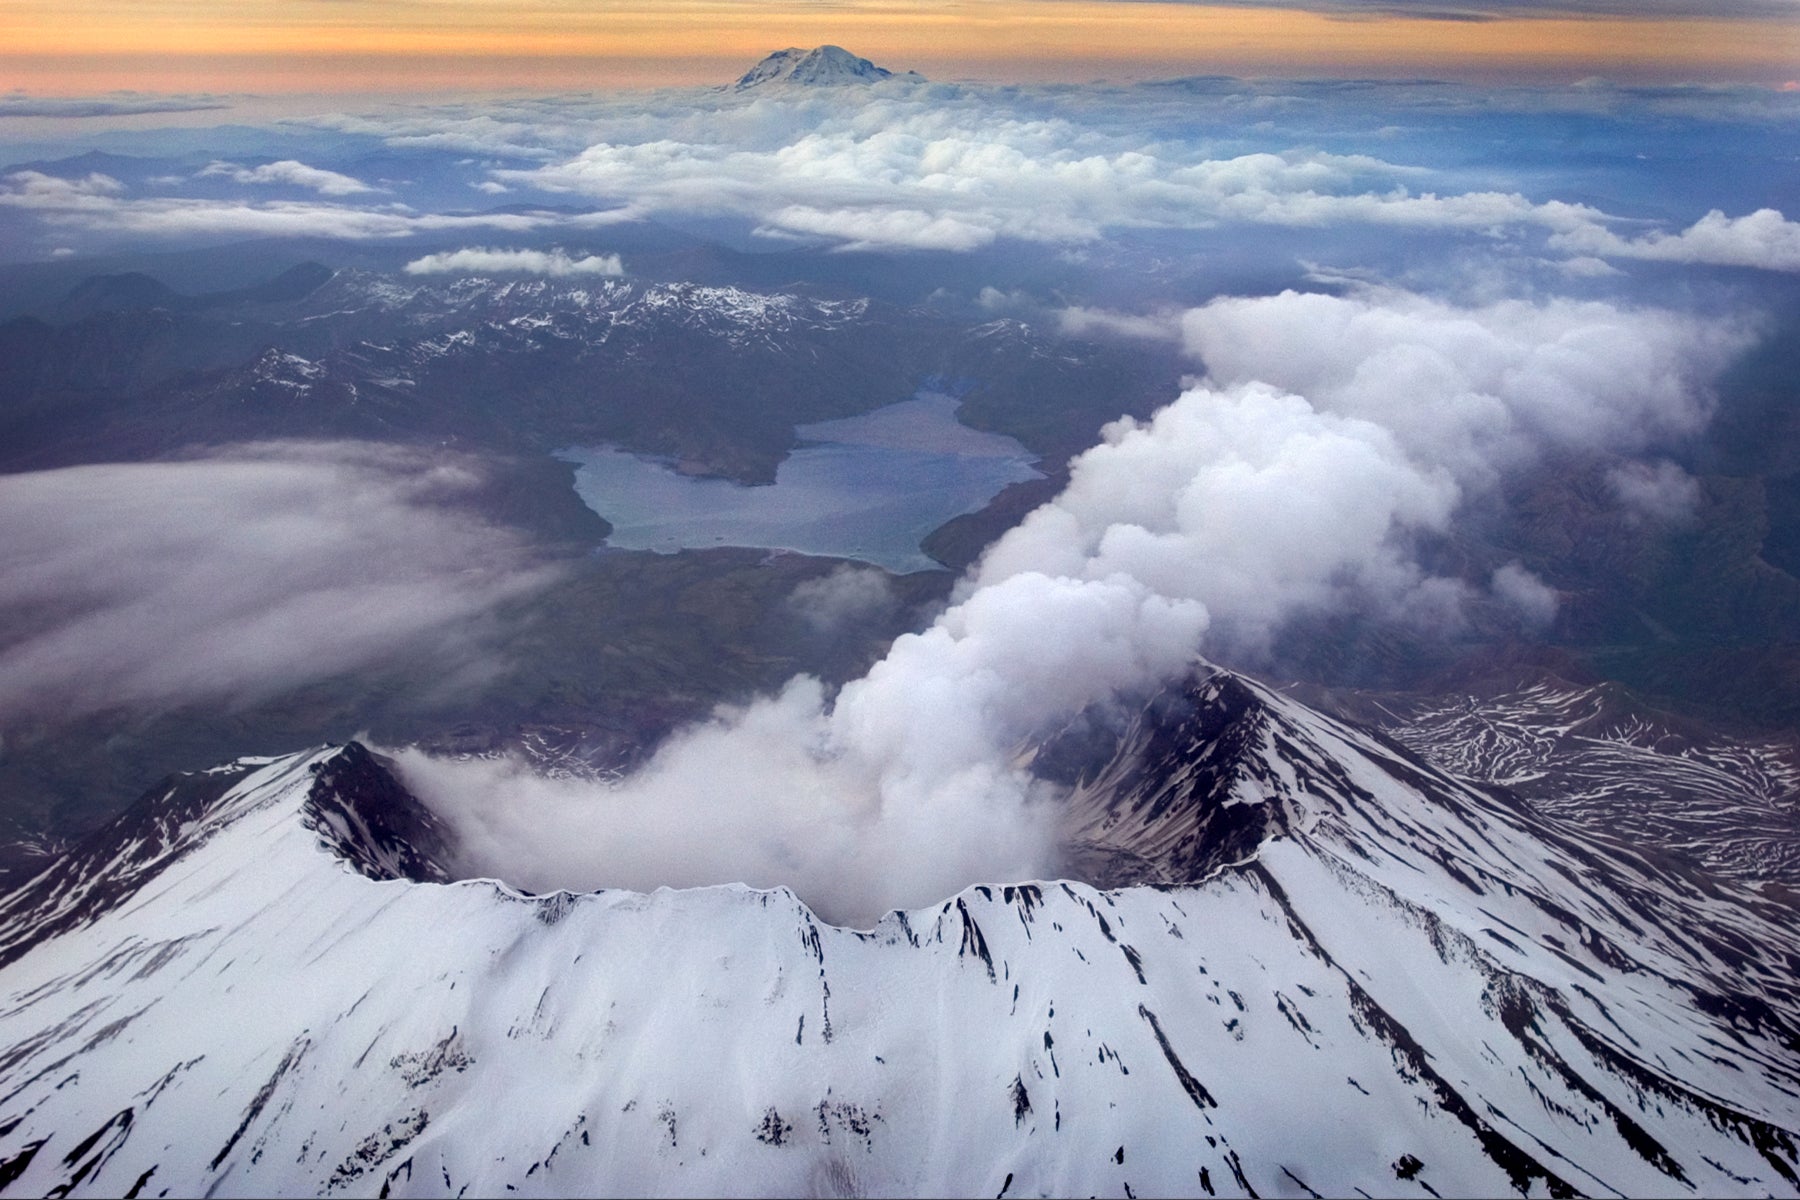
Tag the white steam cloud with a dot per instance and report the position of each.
(1329, 433)
(1659, 491)
(846, 597)
(239, 574)
(473, 260)
(1530, 597)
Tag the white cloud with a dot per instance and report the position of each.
(877, 228)
(848, 596)
(241, 573)
(36, 190)
(1661, 490)
(1249, 501)
(1154, 327)
(476, 259)
(98, 202)
(292, 174)
(1586, 267)
(943, 168)
(1475, 390)
(994, 299)
(1764, 239)
(938, 169)
(1530, 597)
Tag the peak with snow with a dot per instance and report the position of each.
(822, 66)
(1350, 972)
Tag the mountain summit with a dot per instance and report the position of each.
(1331, 968)
(822, 66)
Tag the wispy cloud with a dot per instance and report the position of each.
(111, 104)
(100, 202)
(240, 573)
(292, 174)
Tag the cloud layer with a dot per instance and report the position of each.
(112, 104)
(99, 202)
(929, 167)
(936, 172)
(240, 574)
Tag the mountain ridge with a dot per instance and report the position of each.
(1405, 984)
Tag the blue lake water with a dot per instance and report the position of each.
(868, 487)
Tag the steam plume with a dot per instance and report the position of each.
(1329, 433)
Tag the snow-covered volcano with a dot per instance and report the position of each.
(822, 66)
(1343, 971)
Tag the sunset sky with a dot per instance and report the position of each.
(76, 46)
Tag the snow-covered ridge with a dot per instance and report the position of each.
(477, 311)
(418, 326)
(1400, 984)
(1593, 755)
(496, 296)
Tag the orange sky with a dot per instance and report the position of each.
(403, 45)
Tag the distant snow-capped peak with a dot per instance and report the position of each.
(822, 66)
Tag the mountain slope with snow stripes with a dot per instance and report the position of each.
(1401, 985)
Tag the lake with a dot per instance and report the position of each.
(868, 488)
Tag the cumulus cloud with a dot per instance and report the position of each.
(472, 260)
(1329, 435)
(1476, 390)
(291, 173)
(1764, 239)
(240, 573)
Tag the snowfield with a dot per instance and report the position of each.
(1347, 973)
